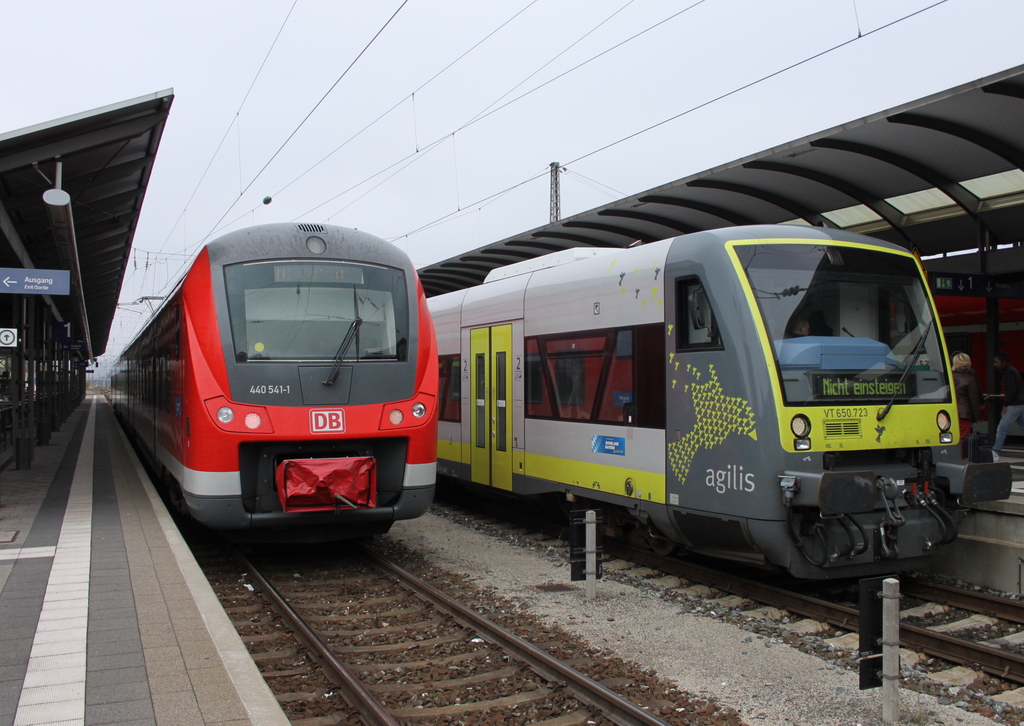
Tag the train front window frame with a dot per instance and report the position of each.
(302, 310)
(846, 323)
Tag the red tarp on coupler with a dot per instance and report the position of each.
(311, 484)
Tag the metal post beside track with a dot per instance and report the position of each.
(591, 525)
(890, 650)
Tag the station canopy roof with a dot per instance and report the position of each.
(942, 174)
(106, 160)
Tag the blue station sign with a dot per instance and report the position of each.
(25, 281)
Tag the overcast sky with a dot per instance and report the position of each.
(431, 123)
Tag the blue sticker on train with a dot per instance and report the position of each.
(608, 445)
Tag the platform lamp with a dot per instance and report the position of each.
(58, 207)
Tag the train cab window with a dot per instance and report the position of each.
(450, 388)
(695, 322)
(846, 324)
(291, 310)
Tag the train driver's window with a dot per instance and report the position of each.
(695, 321)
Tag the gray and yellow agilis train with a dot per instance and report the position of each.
(778, 395)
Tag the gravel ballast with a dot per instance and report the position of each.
(764, 679)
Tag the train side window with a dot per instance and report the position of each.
(449, 388)
(618, 401)
(538, 403)
(650, 376)
(575, 366)
(695, 321)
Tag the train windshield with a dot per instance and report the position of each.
(847, 324)
(292, 310)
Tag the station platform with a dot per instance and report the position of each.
(105, 617)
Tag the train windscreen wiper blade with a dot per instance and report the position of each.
(918, 350)
(342, 350)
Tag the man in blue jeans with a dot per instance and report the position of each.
(1013, 402)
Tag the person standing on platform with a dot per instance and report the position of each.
(1013, 402)
(968, 395)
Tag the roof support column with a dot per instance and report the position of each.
(22, 440)
(991, 334)
(45, 386)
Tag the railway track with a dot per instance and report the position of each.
(986, 643)
(992, 659)
(372, 638)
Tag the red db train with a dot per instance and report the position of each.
(287, 388)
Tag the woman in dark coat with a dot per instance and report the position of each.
(968, 393)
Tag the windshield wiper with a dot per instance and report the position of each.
(342, 350)
(918, 350)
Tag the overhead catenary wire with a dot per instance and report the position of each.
(860, 35)
(762, 79)
(484, 114)
(278, 151)
(308, 116)
(479, 116)
(231, 125)
(594, 184)
(411, 97)
(465, 125)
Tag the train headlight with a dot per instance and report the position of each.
(943, 421)
(316, 245)
(253, 420)
(419, 410)
(802, 444)
(800, 426)
(396, 417)
(225, 414)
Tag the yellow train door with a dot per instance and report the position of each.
(491, 418)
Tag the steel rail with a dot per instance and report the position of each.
(979, 602)
(370, 710)
(1003, 664)
(613, 706)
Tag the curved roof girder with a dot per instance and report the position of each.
(465, 266)
(715, 211)
(502, 252)
(569, 238)
(536, 245)
(1003, 150)
(454, 274)
(882, 208)
(956, 192)
(786, 204)
(631, 234)
(480, 258)
(658, 219)
(432, 286)
(1002, 88)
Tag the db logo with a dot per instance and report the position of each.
(326, 422)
